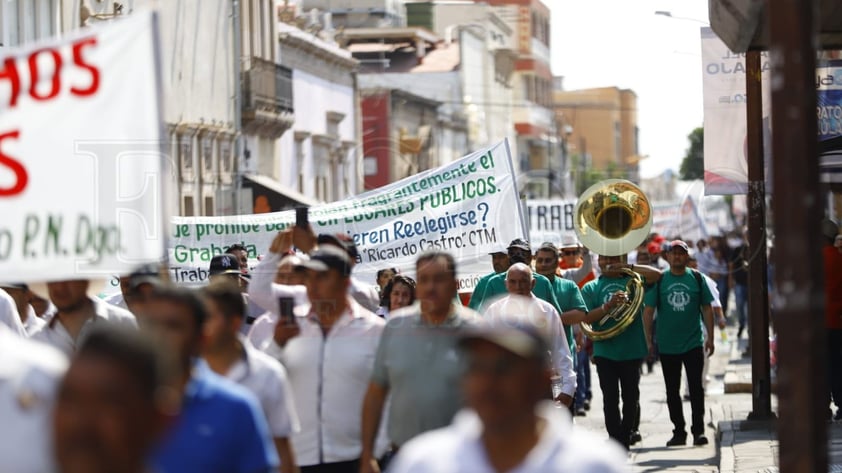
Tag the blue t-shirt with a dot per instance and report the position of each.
(221, 429)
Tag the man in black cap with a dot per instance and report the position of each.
(226, 268)
(365, 294)
(328, 388)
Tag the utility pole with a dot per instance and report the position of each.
(758, 302)
(799, 308)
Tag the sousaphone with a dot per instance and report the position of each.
(612, 218)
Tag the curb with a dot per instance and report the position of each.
(727, 433)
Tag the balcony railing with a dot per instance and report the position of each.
(267, 97)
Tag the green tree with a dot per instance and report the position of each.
(693, 165)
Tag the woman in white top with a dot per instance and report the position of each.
(398, 293)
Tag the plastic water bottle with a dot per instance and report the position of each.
(723, 335)
(555, 381)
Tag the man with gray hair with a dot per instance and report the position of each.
(519, 283)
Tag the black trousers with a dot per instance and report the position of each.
(693, 362)
(352, 466)
(619, 379)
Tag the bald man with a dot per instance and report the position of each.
(519, 282)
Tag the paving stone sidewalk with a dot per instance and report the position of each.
(735, 447)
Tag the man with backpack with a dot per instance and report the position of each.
(683, 302)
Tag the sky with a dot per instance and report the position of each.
(601, 43)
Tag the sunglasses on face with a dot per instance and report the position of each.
(570, 252)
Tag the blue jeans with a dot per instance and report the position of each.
(741, 299)
(583, 378)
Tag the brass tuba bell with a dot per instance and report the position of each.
(612, 218)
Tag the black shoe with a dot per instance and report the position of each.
(635, 437)
(677, 439)
(580, 412)
(587, 405)
(700, 440)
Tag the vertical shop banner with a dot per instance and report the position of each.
(468, 208)
(829, 113)
(724, 89)
(80, 160)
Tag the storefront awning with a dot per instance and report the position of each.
(269, 195)
(742, 25)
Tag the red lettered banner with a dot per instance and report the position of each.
(80, 166)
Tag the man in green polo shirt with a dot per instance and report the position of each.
(519, 251)
(566, 291)
(617, 359)
(683, 302)
(500, 263)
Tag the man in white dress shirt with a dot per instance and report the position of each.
(508, 426)
(519, 283)
(77, 313)
(328, 352)
(29, 375)
(229, 354)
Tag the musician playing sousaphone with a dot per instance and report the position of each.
(612, 218)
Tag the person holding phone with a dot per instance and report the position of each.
(328, 350)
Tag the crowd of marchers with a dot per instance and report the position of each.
(297, 365)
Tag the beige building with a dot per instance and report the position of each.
(603, 124)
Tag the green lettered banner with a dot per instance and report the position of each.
(468, 208)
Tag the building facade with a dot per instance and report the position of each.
(484, 58)
(538, 147)
(24, 21)
(604, 132)
(230, 78)
(406, 134)
(359, 13)
(321, 156)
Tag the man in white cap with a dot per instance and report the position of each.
(20, 295)
(9, 312)
(509, 425)
(575, 262)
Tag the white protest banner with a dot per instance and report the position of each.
(80, 167)
(678, 220)
(552, 220)
(724, 89)
(469, 208)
